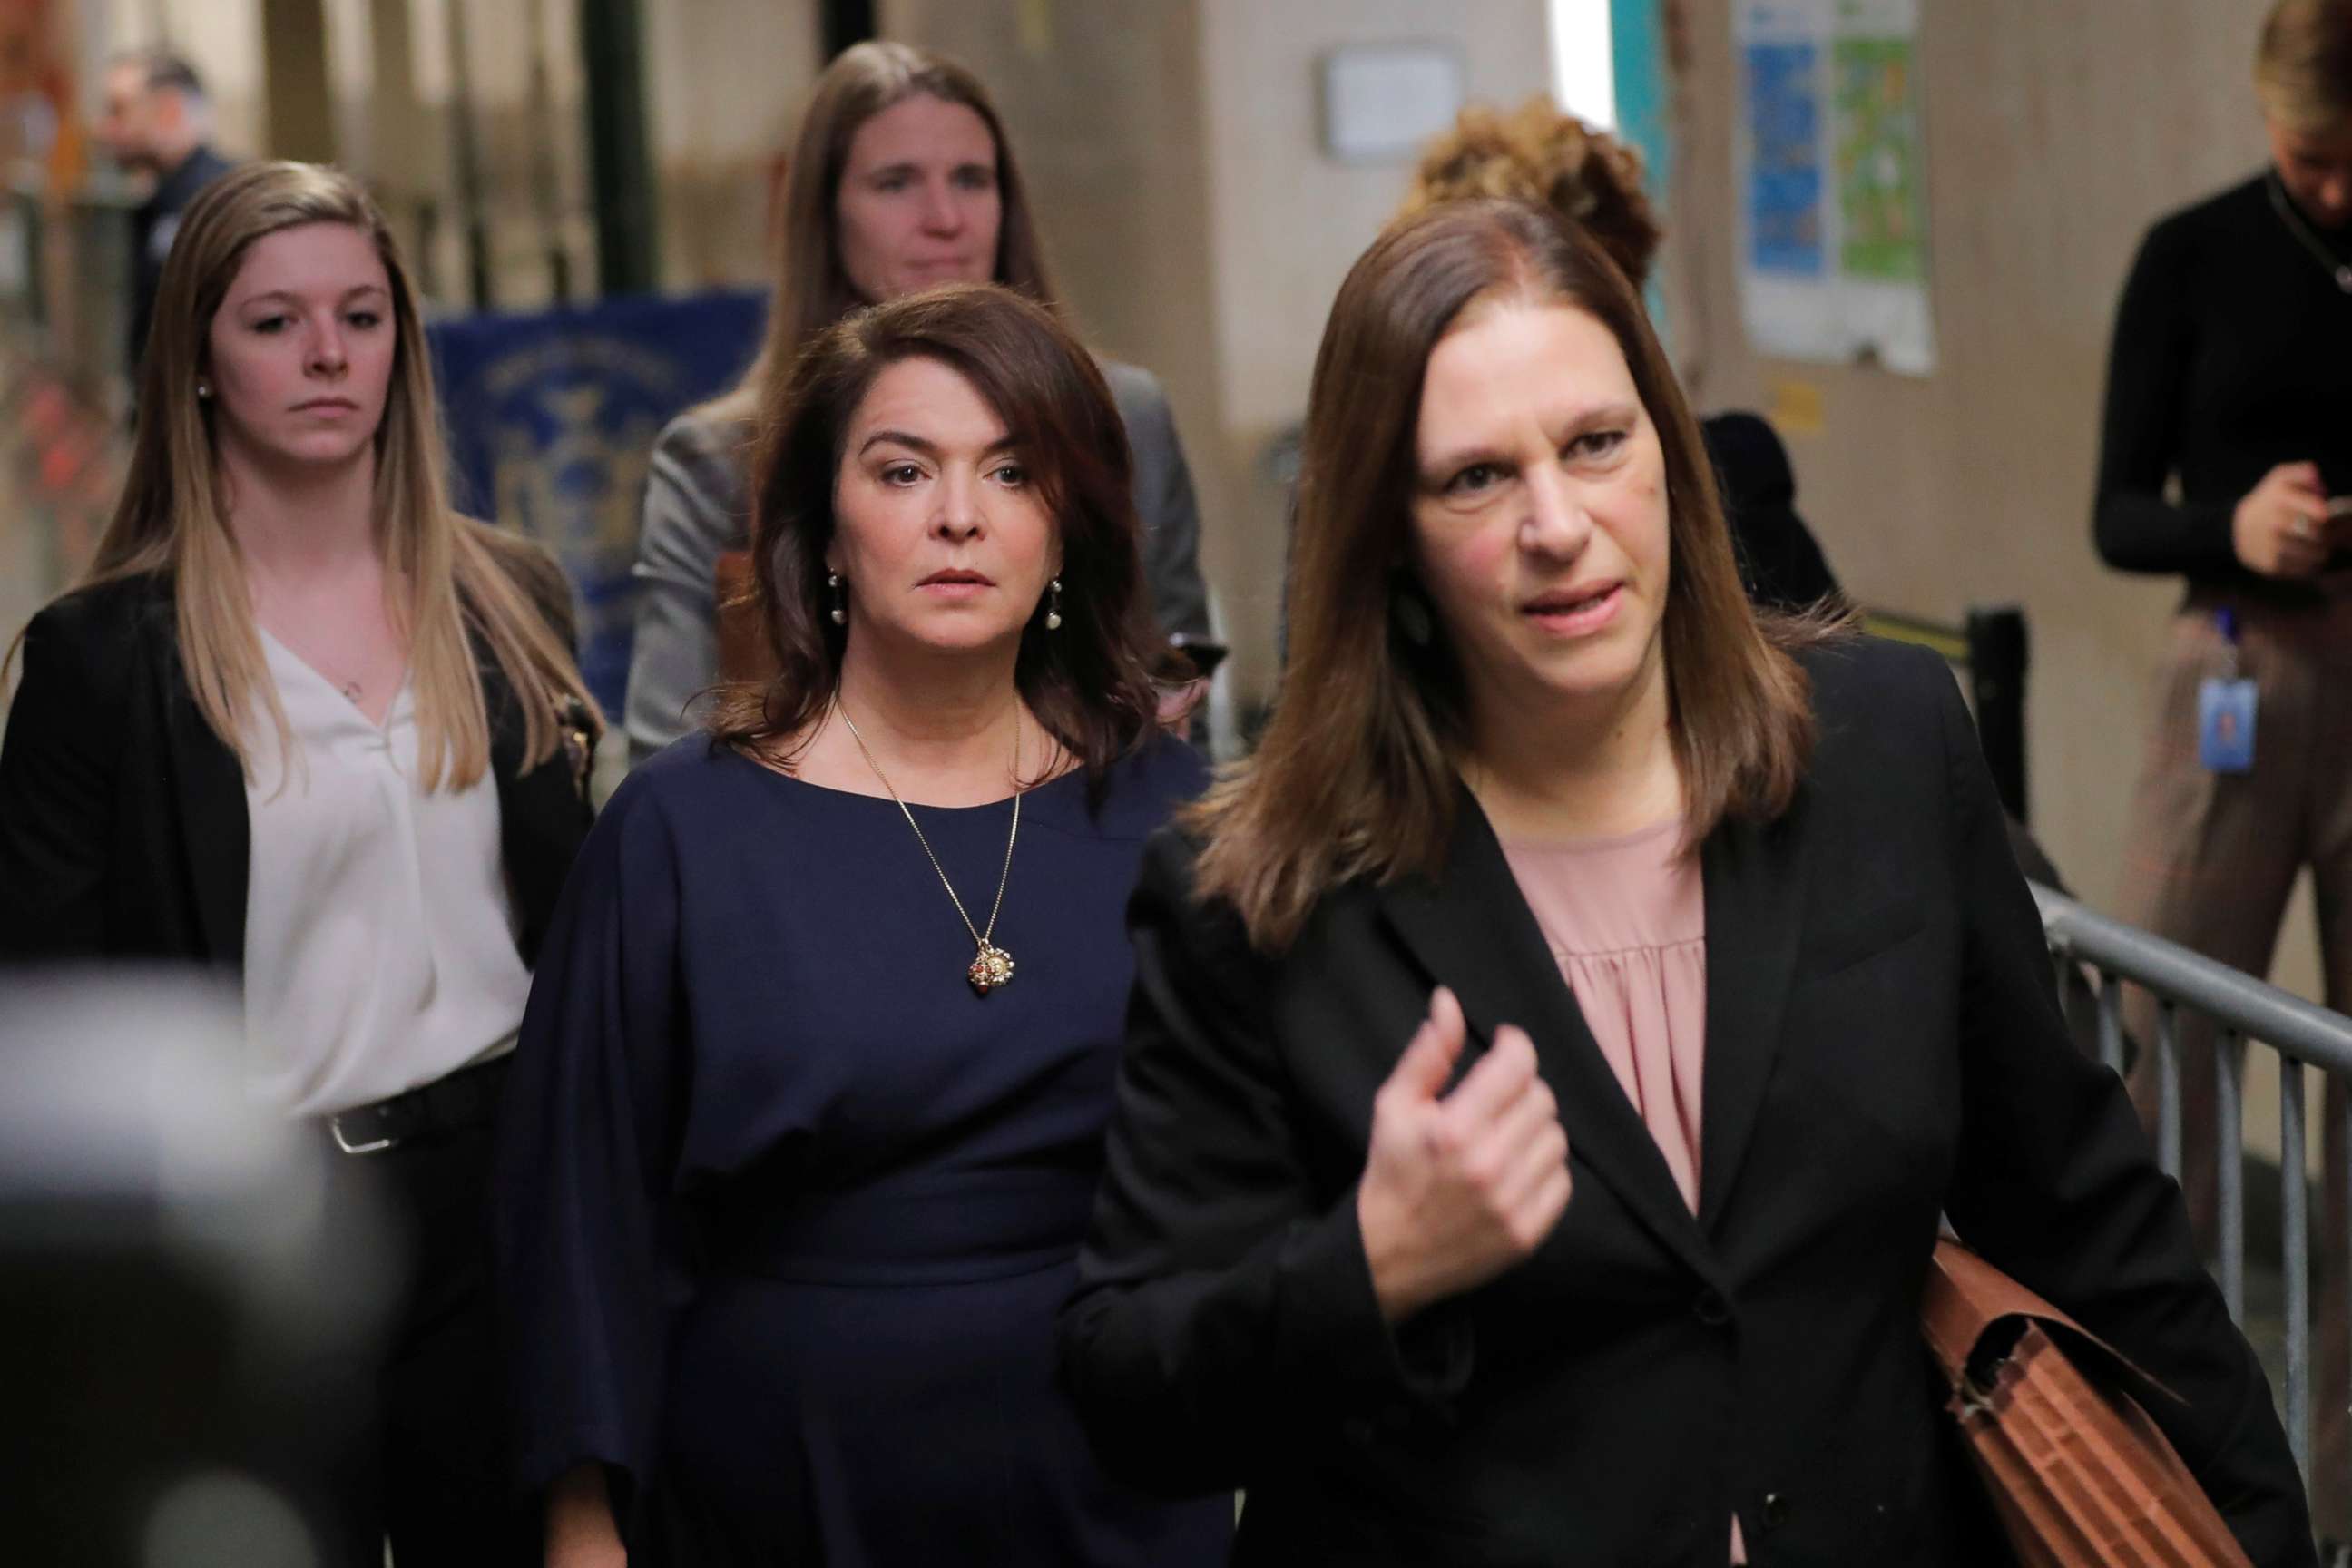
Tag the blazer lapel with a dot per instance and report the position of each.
(1473, 932)
(1756, 885)
(543, 811)
(215, 831)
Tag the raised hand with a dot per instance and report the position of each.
(1458, 1187)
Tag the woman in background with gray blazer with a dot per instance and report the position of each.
(900, 177)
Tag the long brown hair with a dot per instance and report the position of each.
(457, 577)
(812, 289)
(1355, 776)
(2303, 66)
(1087, 682)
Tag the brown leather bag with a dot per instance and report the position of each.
(2078, 1473)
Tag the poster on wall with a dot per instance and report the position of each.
(1831, 163)
(552, 417)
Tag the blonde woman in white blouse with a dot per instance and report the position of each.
(303, 724)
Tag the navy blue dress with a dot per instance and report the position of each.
(785, 1209)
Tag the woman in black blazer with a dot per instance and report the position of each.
(302, 725)
(1462, 1275)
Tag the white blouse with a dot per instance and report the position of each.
(379, 931)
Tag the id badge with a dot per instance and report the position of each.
(2225, 725)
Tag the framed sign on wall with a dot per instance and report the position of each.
(1381, 101)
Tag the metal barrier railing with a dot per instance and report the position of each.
(2243, 1011)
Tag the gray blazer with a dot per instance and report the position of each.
(697, 504)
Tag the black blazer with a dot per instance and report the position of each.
(1882, 1046)
(124, 832)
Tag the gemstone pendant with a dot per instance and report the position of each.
(991, 967)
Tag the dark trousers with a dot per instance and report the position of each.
(432, 1469)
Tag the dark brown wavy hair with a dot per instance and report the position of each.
(1356, 776)
(1087, 682)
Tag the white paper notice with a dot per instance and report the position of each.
(1830, 163)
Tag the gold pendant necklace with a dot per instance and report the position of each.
(991, 966)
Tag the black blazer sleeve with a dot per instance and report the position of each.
(57, 769)
(2054, 1183)
(1219, 1302)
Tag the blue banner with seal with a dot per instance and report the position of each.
(552, 418)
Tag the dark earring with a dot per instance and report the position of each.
(1411, 615)
(840, 600)
(1054, 605)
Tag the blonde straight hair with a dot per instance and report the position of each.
(458, 580)
(2302, 68)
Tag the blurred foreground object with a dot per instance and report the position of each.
(189, 1308)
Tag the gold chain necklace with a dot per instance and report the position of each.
(992, 966)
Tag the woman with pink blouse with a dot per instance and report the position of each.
(1551, 1053)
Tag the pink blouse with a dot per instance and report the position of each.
(1625, 918)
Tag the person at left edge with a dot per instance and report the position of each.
(157, 126)
(809, 1107)
(301, 723)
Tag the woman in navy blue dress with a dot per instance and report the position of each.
(808, 1110)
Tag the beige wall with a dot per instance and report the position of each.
(298, 103)
(725, 83)
(2054, 137)
(1289, 221)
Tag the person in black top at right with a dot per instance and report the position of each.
(2226, 457)
(158, 125)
